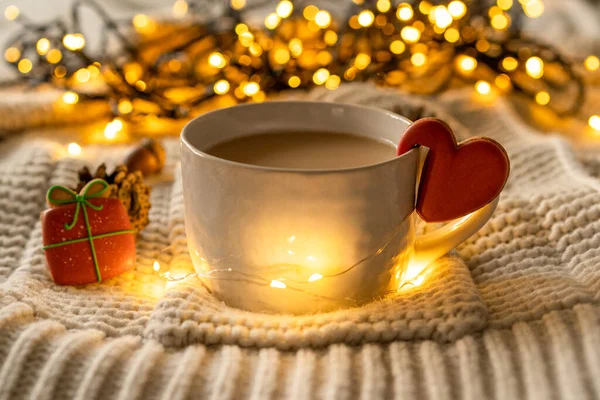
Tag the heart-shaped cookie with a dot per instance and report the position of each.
(457, 179)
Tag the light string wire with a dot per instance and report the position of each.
(172, 67)
(256, 279)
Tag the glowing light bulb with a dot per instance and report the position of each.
(42, 46)
(255, 49)
(70, 97)
(54, 56)
(281, 55)
(504, 4)
(418, 59)
(141, 21)
(324, 57)
(246, 39)
(443, 19)
(499, 22)
(94, 71)
(11, 12)
(482, 45)
(125, 106)
(60, 71)
(535, 67)
(294, 82)
(533, 8)
(133, 72)
(404, 12)
(12, 54)
(241, 28)
(284, 8)
(410, 34)
(310, 12)
(503, 81)
(323, 19)
(277, 284)
(237, 4)
(483, 87)
(180, 8)
(452, 35)
(397, 47)
(315, 277)
(320, 76)
(24, 66)
(494, 11)
(594, 122)
(419, 25)
(112, 128)
(383, 5)
(425, 7)
(366, 18)
(74, 149)
(467, 63)
(141, 85)
(333, 83)
(350, 73)
(221, 87)
(272, 20)
(117, 123)
(330, 38)
(174, 65)
(295, 47)
(156, 266)
(74, 41)
(217, 60)
(457, 9)
(83, 75)
(542, 98)
(251, 88)
(362, 60)
(591, 63)
(510, 63)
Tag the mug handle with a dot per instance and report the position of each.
(433, 245)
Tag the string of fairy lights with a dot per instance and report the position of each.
(173, 267)
(178, 66)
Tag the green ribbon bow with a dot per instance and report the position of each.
(60, 195)
(82, 200)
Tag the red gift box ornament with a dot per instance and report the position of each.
(87, 237)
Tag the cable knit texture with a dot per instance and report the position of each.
(512, 314)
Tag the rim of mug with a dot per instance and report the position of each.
(198, 152)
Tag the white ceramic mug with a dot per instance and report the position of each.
(297, 241)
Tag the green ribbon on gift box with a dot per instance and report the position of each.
(60, 195)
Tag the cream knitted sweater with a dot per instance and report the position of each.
(514, 314)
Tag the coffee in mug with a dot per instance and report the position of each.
(305, 150)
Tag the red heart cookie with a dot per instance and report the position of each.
(457, 179)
